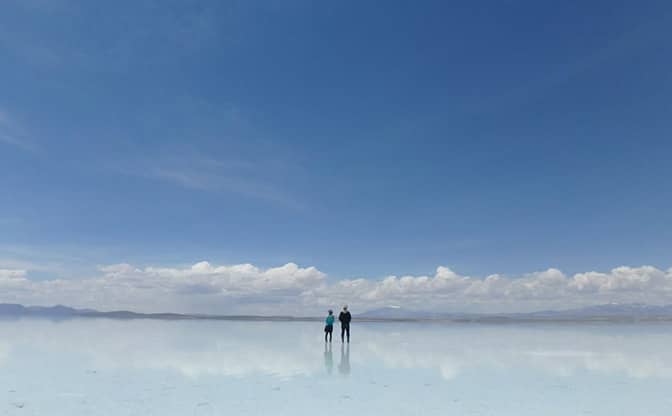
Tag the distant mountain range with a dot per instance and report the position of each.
(60, 311)
(10, 310)
(608, 312)
(612, 311)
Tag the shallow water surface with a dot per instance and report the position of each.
(148, 367)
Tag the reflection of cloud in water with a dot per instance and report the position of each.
(4, 352)
(558, 352)
(288, 350)
(191, 348)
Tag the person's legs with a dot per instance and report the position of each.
(342, 332)
(330, 332)
(347, 331)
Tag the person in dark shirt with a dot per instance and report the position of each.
(344, 317)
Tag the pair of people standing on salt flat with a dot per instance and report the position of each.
(344, 318)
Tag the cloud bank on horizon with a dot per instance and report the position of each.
(291, 289)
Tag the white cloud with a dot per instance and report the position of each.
(245, 288)
(12, 274)
(234, 280)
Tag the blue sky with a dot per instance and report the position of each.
(362, 139)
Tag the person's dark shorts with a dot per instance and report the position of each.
(329, 328)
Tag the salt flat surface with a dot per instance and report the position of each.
(146, 367)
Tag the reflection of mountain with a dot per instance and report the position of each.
(286, 350)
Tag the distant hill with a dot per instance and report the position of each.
(9, 310)
(608, 312)
(394, 312)
(60, 311)
(612, 311)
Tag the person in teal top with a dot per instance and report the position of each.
(329, 325)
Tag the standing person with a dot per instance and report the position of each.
(344, 317)
(329, 325)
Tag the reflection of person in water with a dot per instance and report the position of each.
(328, 358)
(344, 365)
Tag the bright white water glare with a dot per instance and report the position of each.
(146, 367)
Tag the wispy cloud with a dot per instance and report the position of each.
(174, 31)
(12, 134)
(187, 179)
(239, 185)
(64, 261)
(238, 177)
(12, 273)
